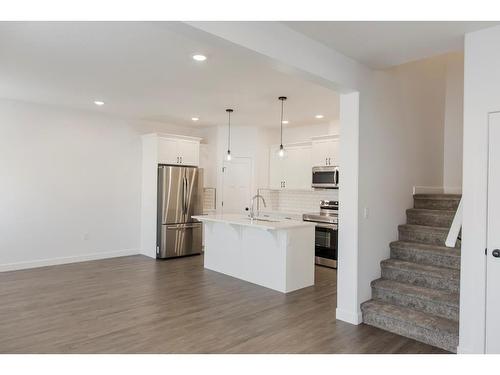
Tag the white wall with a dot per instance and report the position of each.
(249, 142)
(292, 134)
(453, 121)
(70, 184)
(481, 95)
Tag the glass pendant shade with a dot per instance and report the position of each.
(281, 152)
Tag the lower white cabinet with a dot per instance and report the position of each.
(293, 170)
(178, 151)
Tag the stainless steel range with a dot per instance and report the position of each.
(326, 238)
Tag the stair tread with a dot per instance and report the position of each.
(425, 247)
(429, 211)
(430, 294)
(414, 317)
(438, 196)
(434, 271)
(424, 228)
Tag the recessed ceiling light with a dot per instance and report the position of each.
(195, 118)
(285, 122)
(319, 116)
(98, 102)
(199, 57)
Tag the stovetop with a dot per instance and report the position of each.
(322, 217)
(328, 213)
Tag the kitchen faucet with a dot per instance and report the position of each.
(252, 215)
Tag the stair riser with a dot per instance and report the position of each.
(423, 236)
(432, 337)
(431, 220)
(423, 257)
(432, 307)
(435, 204)
(414, 278)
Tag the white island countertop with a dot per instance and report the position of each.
(266, 223)
(273, 252)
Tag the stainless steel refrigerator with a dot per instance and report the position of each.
(180, 196)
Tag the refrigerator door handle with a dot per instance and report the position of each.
(185, 195)
(183, 226)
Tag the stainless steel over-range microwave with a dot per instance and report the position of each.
(325, 177)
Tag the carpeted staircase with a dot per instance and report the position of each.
(418, 293)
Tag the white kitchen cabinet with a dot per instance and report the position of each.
(293, 171)
(179, 151)
(167, 151)
(325, 151)
(189, 152)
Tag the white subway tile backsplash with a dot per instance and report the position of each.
(298, 201)
(209, 199)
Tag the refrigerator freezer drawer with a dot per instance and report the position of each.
(177, 240)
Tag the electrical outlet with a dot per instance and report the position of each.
(85, 236)
(365, 213)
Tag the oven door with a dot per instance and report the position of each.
(326, 244)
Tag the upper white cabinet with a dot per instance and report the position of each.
(178, 150)
(325, 151)
(292, 171)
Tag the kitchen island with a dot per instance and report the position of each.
(274, 253)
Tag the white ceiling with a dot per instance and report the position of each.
(384, 44)
(144, 70)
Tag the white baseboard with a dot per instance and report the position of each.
(462, 350)
(65, 260)
(437, 190)
(353, 317)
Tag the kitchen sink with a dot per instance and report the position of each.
(263, 219)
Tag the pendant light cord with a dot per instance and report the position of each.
(282, 98)
(229, 110)
(281, 131)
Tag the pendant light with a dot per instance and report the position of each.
(281, 152)
(228, 156)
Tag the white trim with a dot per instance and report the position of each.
(437, 190)
(462, 350)
(177, 136)
(353, 317)
(325, 137)
(293, 144)
(64, 260)
(456, 225)
(452, 190)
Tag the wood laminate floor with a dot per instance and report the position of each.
(139, 305)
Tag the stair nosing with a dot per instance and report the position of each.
(432, 211)
(436, 319)
(435, 271)
(438, 197)
(419, 227)
(427, 247)
(376, 284)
